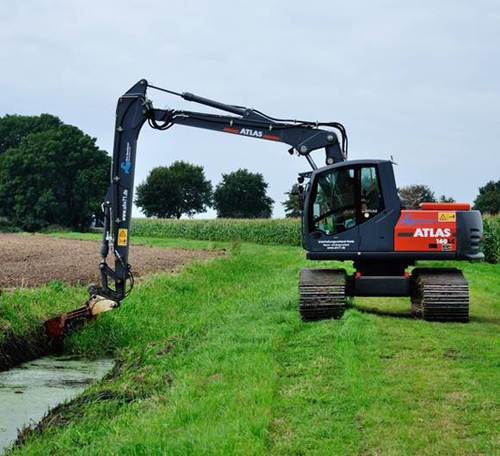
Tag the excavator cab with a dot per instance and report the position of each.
(349, 207)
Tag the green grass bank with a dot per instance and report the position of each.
(215, 360)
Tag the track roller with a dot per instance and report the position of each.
(322, 293)
(440, 294)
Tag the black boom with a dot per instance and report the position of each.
(134, 109)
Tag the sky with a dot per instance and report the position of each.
(418, 81)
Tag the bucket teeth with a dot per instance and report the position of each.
(322, 293)
(440, 294)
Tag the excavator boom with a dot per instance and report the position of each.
(134, 110)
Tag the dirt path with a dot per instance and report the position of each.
(31, 260)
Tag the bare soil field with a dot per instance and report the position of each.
(31, 260)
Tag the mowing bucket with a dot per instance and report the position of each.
(60, 326)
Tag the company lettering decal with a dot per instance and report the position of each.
(124, 204)
(340, 244)
(431, 232)
(128, 152)
(126, 165)
(407, 220)
(250, 132)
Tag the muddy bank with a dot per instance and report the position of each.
(30, 260)
(65, 413)
(15, 350)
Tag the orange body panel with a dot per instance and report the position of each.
(445, 206)
(426, 231)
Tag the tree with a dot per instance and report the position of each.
(293, 205)
(57, 176)
(412, 195)
(171, 191)
(488, 199)
(242, 194)
(446, 199)
(14, 128)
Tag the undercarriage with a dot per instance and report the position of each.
(436, 294)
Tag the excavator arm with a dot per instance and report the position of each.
(133, 111)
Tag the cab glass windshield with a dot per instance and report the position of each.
(345, 198)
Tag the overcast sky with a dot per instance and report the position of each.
(416, 80)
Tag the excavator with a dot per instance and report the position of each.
(351, 212)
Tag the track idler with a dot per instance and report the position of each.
(60, 326)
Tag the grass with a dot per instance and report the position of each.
(216, 360)
(23, 309)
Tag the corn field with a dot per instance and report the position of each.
(491, 245)
(257, 231)
(269, 231)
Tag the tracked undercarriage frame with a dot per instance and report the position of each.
(440, 294)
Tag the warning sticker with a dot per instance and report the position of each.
(447, 216)
(122, 236)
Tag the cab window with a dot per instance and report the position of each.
(345, 198)
(334, 205)
(371, 198)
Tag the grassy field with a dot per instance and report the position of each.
(215, 360)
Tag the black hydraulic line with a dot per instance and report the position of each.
(241, 110)
(303, 138)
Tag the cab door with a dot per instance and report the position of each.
(333, 210)
(380, 207)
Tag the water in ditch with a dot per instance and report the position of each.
(28, 391)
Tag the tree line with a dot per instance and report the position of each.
(183, 189)
(52, 173)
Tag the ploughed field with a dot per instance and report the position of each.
(28, 260)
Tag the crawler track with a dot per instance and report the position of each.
(322, 293)
(440, 294)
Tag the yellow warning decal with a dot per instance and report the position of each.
(447, 217)
(122, 236)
